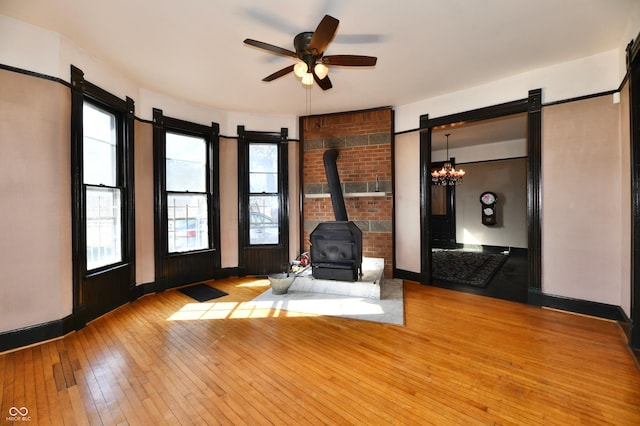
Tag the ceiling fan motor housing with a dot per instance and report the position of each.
(301, 43)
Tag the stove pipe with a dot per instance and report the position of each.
(333, 180)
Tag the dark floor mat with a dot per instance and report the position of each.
(202, 292)
(465, 267)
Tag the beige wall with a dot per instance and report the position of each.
(228, 202)
(407, 201)
(143, 155)
(582, 206)
(625, 201)
(294, 200)
(35, 242)
(508, 180)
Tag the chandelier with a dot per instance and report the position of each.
(448, 175)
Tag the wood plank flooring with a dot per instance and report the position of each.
(460, 359)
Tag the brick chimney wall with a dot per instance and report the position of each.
(363, 140)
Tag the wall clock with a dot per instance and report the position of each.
(488, 201)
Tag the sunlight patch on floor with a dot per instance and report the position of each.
(229, 310)
(342, 306)
(261, 282)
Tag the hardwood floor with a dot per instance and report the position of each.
(460, 359)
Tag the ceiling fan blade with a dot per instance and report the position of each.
(271, 48)
(278, 74)
(325, 83)
(323, 35)
(350, 60)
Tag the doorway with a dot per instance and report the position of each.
(528, 262)
(494, 157)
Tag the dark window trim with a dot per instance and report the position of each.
(124, 109)
(211, 134)
(244, 138)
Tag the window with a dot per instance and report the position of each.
(264, 196)
(186, 207)
(186, 191)
(103, 190)
(263, 200)
(102, 197)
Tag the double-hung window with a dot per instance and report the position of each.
(187, 197)
(264, 194)
(187, 220)
(102, 196)
(263, 222)
(103, 187)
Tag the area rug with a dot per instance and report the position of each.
(388, 309)
(466, 267)
(202, 292)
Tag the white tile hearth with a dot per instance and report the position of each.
(389, 308)
(367, 286)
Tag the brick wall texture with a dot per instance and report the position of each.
(363, 140)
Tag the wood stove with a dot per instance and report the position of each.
(336, 246)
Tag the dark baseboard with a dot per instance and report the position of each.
(146, 288)
(407, 275)
(136, 292)
(36, 334)
(228, 273)
(534, 296)
(585, 307)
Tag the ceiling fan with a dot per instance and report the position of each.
(312, 65)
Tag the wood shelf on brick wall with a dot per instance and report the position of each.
(348, 195)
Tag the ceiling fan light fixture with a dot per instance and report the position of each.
(307, 79)
(300, 69)
(311, 63)
(321, 71)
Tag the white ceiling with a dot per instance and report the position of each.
(501, 129)
(193, 49)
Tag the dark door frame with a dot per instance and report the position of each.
(532, 105)
(633, 73)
